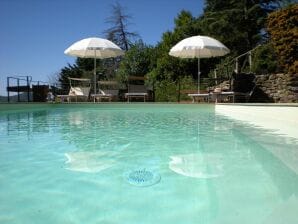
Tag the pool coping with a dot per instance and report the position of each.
(261, 104)
(278, 119)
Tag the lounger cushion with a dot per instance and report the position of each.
(75, 91)
(79, 91)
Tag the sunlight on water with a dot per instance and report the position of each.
(86, 163)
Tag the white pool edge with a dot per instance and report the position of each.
(282, 118)
(279, 119)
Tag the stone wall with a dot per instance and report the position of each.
(278, 88)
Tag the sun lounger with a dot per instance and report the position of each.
(136, 91)
(219, 96)
(77, 92)
(230, 96)
(107, 94)
(204, 96)
(109, 91)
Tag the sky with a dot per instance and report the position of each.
(35, 33)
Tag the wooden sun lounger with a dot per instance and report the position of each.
(136, 91)
(204, 96)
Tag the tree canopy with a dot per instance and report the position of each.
(239, 24)
(136, 61)
(283, 30)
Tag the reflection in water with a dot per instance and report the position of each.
(25, 123)
(89, 162)
(285, 212)
(260, 170)
(271, 162)
(197, 165)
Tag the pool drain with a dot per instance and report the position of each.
(142, 177)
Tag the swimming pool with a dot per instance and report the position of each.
(141, 163)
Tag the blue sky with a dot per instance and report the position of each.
(35, 33)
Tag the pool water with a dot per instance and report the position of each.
(84, 164)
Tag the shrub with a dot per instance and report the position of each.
(282, 27)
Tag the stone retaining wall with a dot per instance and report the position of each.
(279, 88)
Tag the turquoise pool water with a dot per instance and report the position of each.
(75, 163)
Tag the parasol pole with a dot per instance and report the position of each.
(94, 72)
(199, 74)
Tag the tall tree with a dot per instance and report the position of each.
(239, 23)
(169, 71)
(168, 66)
(106, 68)
(119, 33)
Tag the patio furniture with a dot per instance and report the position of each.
(231, 95)
(108, 90)
(77, 91)
(136, 90)
(94, 47)
(204, 96)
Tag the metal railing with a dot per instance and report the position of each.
(18, 87)
(22, 84)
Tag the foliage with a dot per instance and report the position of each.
(169, 71)
(136, 61)
(119, 33)
(239, 24)
(86, 64)
(83, 68)
(282, 26)
(165, 91)
(69, 71)
(264, 60)
(223, 70)
(168, 67)
(168, 91)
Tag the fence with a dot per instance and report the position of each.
(35, 91)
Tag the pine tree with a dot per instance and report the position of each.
(119, 33)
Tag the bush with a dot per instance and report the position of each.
(282, 27)
(165, 91)
(168, 91)
(264, 60)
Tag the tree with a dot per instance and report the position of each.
(169, 72)
(170, 67)
(105, 68)
(119, 33)
(82, 68)
(136, 61)
(239, 24)
(282, 27)
(69, 71)
(264, 60)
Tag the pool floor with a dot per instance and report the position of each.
(141, 163)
